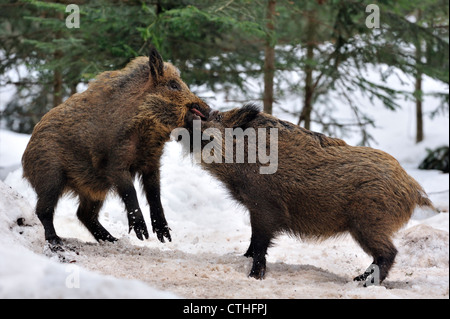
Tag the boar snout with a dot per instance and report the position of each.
(199, 112)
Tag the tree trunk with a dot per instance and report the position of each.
(305, 116)
(57, 74)
(419, 114)
(159, 8)
(57, 82)
(73, 88)
(269, 58)
(418, 90)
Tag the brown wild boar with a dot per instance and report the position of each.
(100, 139)
(321, 187)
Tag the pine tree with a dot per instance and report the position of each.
(221, 44)
(58, 58)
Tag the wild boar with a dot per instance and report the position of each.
(322, 187)
(100, 139)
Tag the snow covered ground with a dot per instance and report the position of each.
(210, 233)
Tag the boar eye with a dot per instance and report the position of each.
(174, 85)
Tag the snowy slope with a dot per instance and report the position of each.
(25, 273)
(210, 233)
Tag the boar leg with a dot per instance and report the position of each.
(153, 193)
(385, 262)
(383, 251)
(48, 192)
(259, 243)
(88, 214)
(135, 219)
(45, 209)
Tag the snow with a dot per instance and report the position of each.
(11, 153)
(26, 273)
(210, 233)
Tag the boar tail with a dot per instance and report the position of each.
(423, 200)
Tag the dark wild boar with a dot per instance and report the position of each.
(322, 188)
(100, 139)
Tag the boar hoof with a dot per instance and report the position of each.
(55, 241)
(258, 274)
(161, 233)
(361, 277)
(140, 229)
(368, 277)
(107, 238)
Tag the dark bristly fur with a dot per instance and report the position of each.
(322, 188)
(98, 140)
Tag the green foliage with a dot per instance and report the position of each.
(436, 159)
(34, 34)
(219, 45)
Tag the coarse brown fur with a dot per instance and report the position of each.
(98, 140)
(321, 188)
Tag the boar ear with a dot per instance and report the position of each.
(156, 64)
(245, 114)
